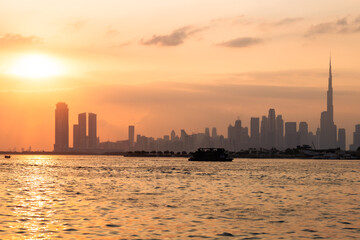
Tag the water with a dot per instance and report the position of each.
(102, 197)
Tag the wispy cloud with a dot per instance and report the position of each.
(342, 25)
(111, 33)
(175, 38)
(10, 41)
(241, 42)
(287, 21)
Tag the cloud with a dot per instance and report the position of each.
(175, 38)
(357, 20)
(10, 41)
(320, 29)
(342, 22)
(342, 25)
(287, 21)
(241, 42)
(111, 33)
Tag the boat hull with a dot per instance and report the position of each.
(210, 160)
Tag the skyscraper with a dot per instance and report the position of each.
(172, 135)
(92, 130)
(356, 138)
(271, 131)
(254, 132)
(131, 136)
(207, 132)
(61, 127)
(342, 139)
(279, 132)
(82, 130)
(263, 132)
(291, 136)
(327, 127)
(303, 133)
(214, 132)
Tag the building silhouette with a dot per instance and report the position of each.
(82, 131)
(342, 138)
(131, 132)
(356, 138)
(214, 132)
(254, 132)
(61, 127)
(303, 133)
(328, 135)
(207, 132)
(279, 132)
(92, 130)
(263, 132)
(291, 135)
(238, 139)
(172, 135)
(271, 130)
(81, 141)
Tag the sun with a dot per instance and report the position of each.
(36, 66)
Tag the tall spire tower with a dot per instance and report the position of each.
(328, 135)
(330, 107)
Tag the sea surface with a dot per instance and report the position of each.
(114, 197)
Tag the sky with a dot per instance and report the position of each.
(163, 65)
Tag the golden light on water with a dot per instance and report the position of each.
(36, 66)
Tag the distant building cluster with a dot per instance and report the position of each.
(85, 140)
(84, 136)
(267, 133)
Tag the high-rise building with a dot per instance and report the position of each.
(183, 135)
(312, 140)
(271, 131)
(131, 136)
(207, 132)
(328, 138)
(92, 131)
(317, 138)
(254, 132)
(263, 132)
(356, 138)
(291, 136)
(303, 133)
(279, 132)
(238, 137)
(342, 139)
(61, 127)
(172, 135)
(214, 132)
(82, 130)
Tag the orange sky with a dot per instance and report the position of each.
(164, 65)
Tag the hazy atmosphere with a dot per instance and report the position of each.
(163, 65)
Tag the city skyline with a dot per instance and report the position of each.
(145, 63)
(272, 132)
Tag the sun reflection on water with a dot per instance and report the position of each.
(80, 197)
(33, 203)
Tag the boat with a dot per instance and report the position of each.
(7, 156)
(211, 155)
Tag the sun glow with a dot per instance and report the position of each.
(36, 66)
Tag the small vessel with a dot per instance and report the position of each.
(211, 155)
(7, 156)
